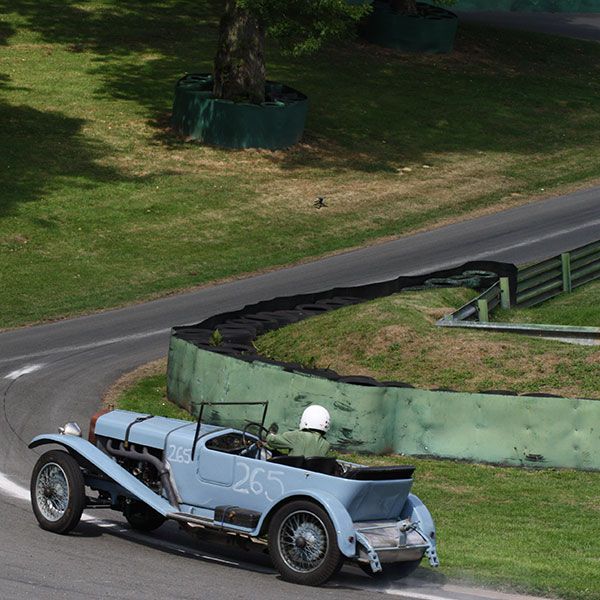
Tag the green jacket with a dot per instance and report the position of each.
(299, 443)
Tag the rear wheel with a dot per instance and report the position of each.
(141, 517)
(303, 545)
(57, 491)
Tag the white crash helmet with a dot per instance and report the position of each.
(315, 417)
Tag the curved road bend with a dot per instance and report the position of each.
(53, 373)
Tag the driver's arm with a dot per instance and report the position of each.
(281, 441)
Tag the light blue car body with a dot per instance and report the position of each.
(209, 477)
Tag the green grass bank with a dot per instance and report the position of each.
(497, 526)
(395, 338)
(101, 205)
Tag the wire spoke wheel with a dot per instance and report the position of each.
(57, 491)
(303, 543)
(52, 491)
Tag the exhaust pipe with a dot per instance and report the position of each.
(149, 458)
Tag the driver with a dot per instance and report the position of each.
(309, 438)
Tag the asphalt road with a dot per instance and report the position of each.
(584, 26)
(53, 373)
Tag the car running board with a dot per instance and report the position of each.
(236, 516)
(226, 517)
(191, 519)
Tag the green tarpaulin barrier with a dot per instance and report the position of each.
(496, 428)
(274, 124)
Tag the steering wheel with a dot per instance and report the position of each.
(261, 433)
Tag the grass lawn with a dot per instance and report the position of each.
(149, 395)
(530, 530)
(580, 309)
(395, 338)
(101, 205)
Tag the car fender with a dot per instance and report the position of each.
(417, 512)
(109, 467)
(344, 527)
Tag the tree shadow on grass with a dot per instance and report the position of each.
(41, 151)
(499, 92)
(371, 109)
(117, 28)
(6, 31)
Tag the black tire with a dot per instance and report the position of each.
(323, 559)
(141, 517)
(398, 570)
(359, 380)
(57, 491)
(313, 309)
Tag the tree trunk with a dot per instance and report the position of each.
(240, 60)
(405, 7)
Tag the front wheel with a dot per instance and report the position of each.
(303, 544)
(57, 491)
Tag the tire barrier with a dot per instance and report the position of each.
(271, 314)
(238, 329)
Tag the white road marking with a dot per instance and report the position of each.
(490, 594)
(14, 490)
(531, 241)
(476, 593)
(492, 252)
(64, 349)
(412, 594)
(24, 371)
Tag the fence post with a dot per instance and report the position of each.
(565, 259)
(504, 292)
(482, 310)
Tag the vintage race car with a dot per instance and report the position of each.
(313, 513)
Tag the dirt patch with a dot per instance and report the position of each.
(435, 314)
(593, 359)
(434, 185)
(400, 336)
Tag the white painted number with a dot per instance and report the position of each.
(238, 486)
(272, 476)
(256, 486)
(254, 480)
(179, 454)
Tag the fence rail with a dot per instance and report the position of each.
(536, 283)
(480, 307)
(541, 281)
